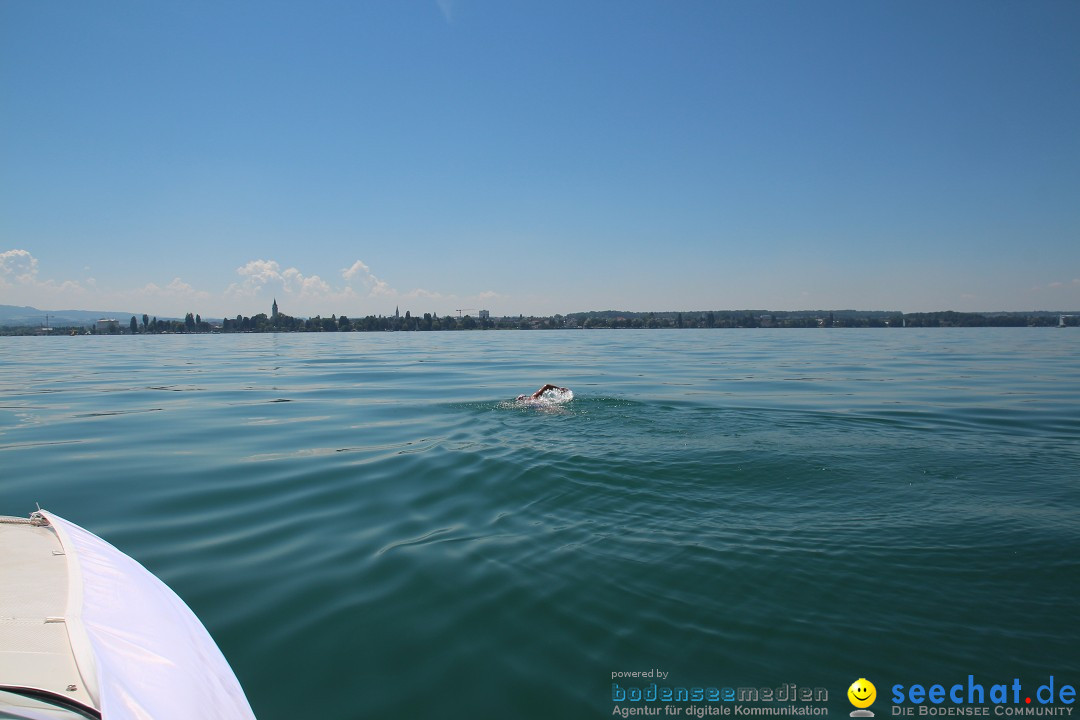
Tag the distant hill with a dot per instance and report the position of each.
(26, 315)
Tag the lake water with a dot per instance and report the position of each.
(371, 529)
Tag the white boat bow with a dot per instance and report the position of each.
(86, 631)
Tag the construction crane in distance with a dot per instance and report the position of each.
(461, 310)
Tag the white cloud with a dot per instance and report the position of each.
(19, 269)
(375, 287)
(19, 274)
(18, 266)
(361, 273)
(417, 293)
(255, 274)
(357, 267)
(67, 286)
(177, 289)
(1056, 285)
(357, 290)
(258, 274)
(295, 282)
(360, 284)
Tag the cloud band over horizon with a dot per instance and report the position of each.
(359, 292)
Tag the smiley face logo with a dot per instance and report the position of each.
(862, 693)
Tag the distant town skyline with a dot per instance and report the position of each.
(539, 159)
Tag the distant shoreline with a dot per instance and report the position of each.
(608, 319)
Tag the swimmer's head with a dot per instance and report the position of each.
(520, 398)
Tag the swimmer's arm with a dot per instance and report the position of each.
(547, 387)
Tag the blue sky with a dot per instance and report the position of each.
(539, 157)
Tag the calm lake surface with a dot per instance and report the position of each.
(370, 529)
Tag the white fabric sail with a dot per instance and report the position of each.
(152, 657)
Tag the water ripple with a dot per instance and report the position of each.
(358, 516)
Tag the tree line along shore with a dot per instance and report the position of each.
(608, 319)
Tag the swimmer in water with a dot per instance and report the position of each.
(536, 395)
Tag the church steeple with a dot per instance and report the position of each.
(273, 309)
